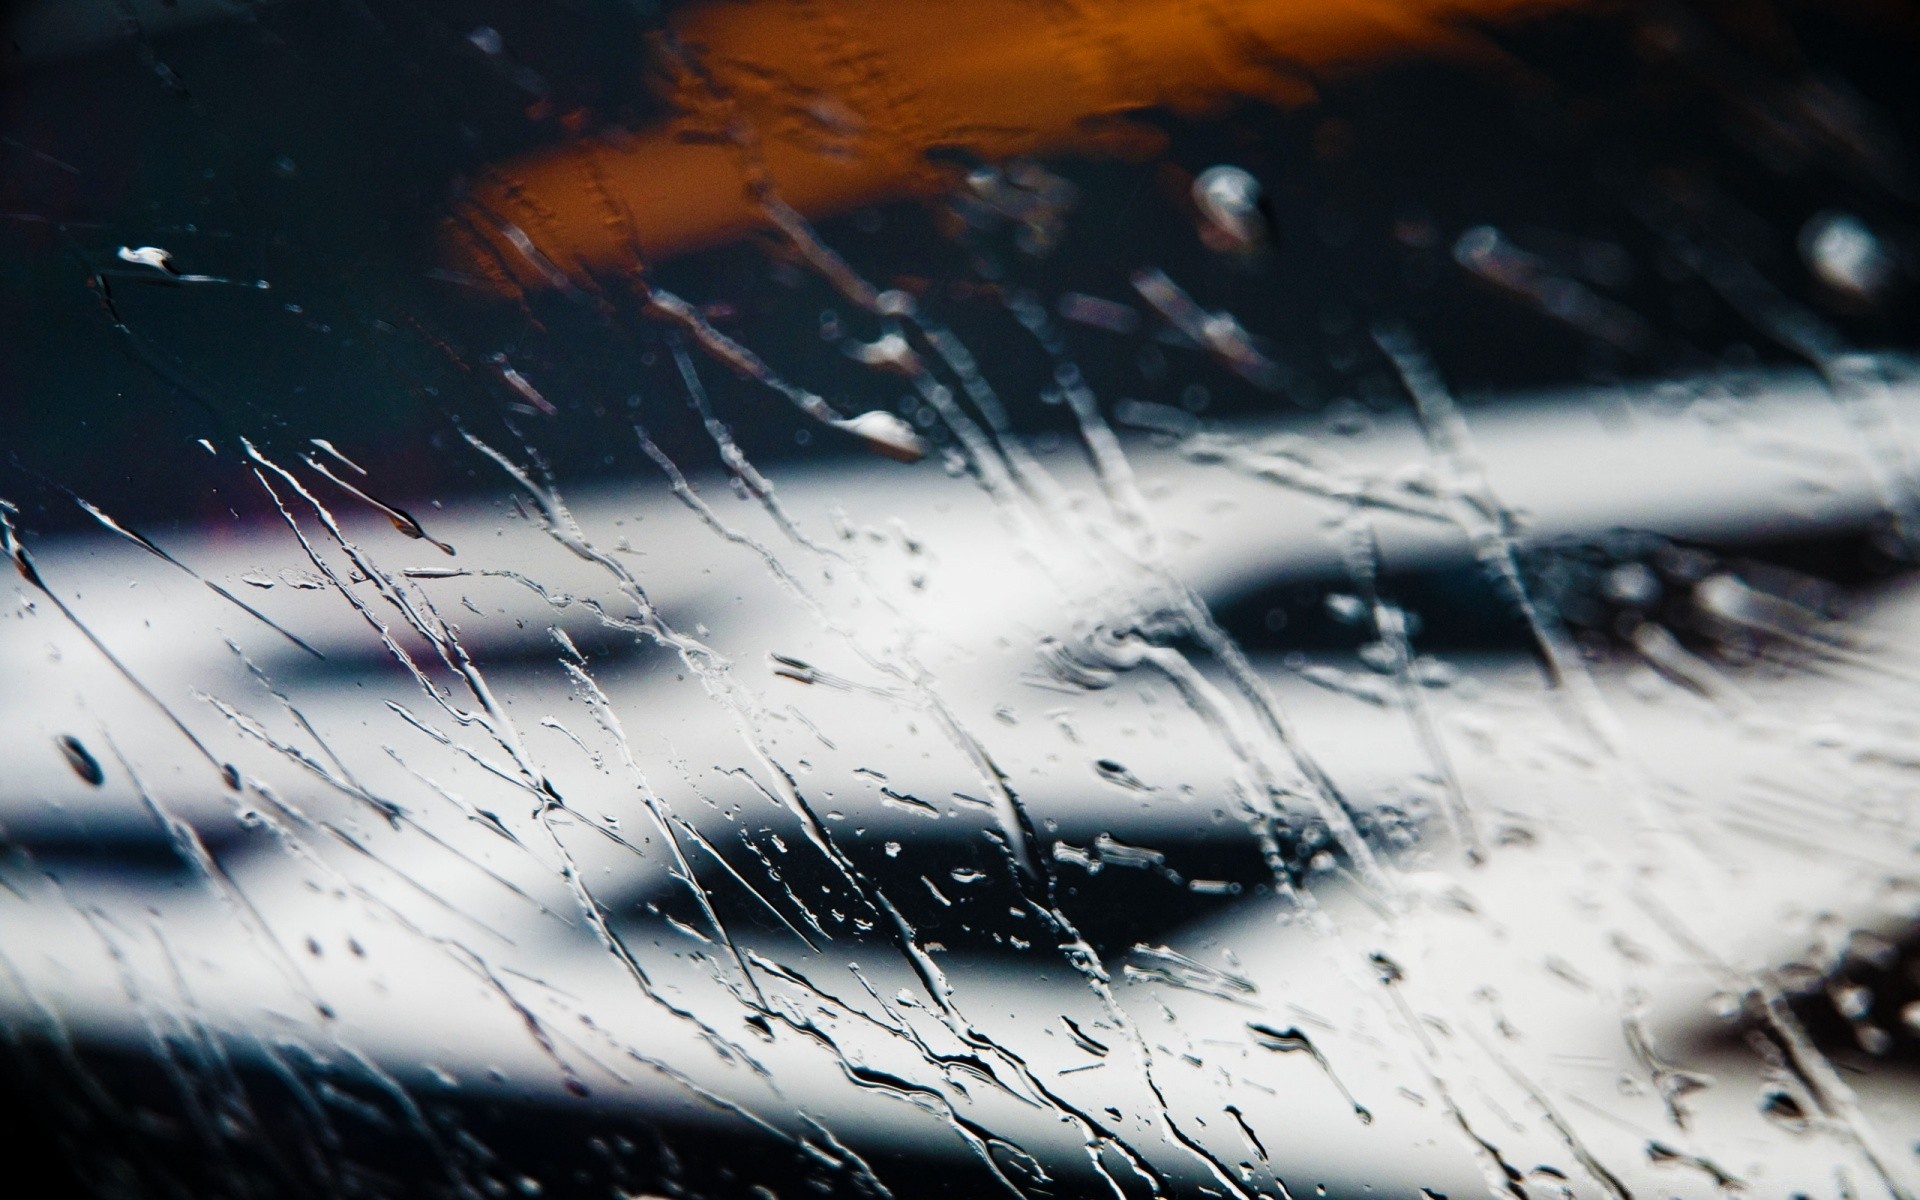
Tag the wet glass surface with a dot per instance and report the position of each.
(1114, 599)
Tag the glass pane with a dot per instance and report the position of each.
(1123, 598)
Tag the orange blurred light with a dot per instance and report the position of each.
(833, 104)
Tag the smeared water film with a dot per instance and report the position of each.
(1125, 598)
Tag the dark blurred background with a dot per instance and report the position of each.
(314, 145)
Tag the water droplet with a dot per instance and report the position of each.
(887, 434)
(84, 764)
(1784, 1109)
(1229, 201)
(148, 256)
(1846, 255)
